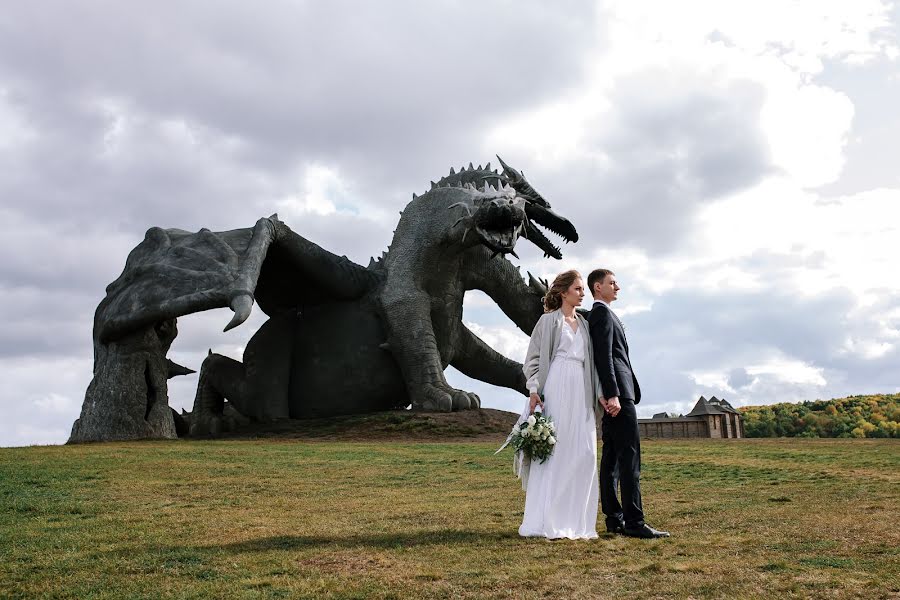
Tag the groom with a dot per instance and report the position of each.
(620, 463)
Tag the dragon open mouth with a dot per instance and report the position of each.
(503, 242)
(538, 212)
(499, 222)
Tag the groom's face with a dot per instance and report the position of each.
(608, 288)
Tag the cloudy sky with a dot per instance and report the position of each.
(734, 162)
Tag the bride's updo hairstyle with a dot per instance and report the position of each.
(563, 282)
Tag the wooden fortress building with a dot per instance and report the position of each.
(711, 418)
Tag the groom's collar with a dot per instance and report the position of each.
(600, 301)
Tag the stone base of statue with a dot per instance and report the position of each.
(400, 425)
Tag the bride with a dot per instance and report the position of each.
(561, 495)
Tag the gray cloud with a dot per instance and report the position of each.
(871, 151)
(338, 82)
(671, 143)
(46, 323)
(739, 378)
(728, 331)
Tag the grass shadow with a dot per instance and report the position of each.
(447, 537)
(375, 541)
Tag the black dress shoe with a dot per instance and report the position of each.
(644, 531)
(618, 528)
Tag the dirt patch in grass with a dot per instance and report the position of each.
(401, 425)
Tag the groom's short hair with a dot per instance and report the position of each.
(597, 275)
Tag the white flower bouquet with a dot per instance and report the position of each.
(535, 436)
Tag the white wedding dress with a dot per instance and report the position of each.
(562, 494)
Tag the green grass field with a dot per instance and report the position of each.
(339, 519)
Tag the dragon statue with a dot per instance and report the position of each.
(341, 338)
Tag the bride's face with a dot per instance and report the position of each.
(574, 294)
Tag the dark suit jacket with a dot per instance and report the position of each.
(611, 355)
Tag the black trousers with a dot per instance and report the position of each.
(620, 467)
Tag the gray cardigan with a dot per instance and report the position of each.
(542, 347)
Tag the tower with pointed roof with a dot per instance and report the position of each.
(713, 418)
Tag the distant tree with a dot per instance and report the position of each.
(855, 416)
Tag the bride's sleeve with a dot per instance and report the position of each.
(532, 363)
(592, 374)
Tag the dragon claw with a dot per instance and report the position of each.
(443, 398)
(242, 305)
(465, 400)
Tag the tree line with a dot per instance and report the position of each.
(854, 416)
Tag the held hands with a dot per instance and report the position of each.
(611, 405)
(534, 401)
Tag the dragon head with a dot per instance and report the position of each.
(498, 218)
(499, 215)
(538, 212)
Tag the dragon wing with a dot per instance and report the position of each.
(172, 273)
